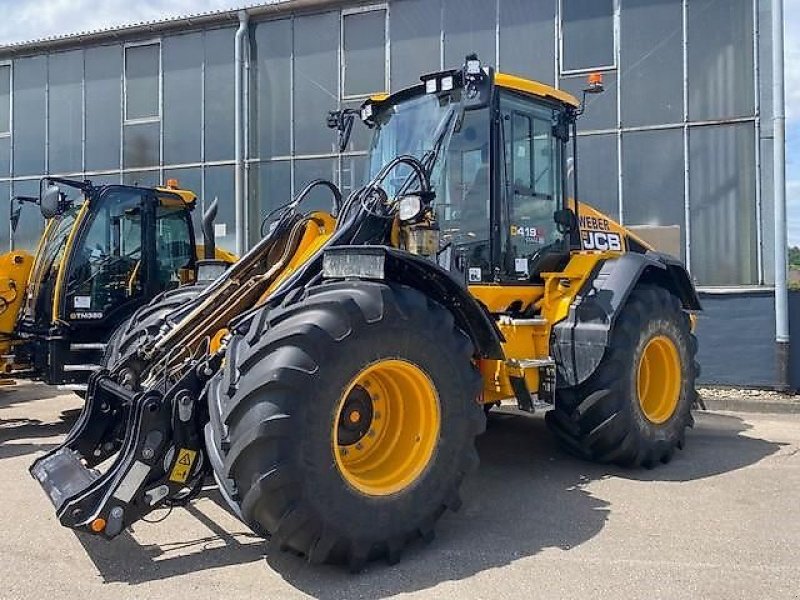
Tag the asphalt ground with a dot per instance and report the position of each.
(722, 520)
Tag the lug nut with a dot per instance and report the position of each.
(147, 453)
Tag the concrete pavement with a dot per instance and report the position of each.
(721, 521)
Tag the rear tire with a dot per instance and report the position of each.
(276, 409)
(627, 412)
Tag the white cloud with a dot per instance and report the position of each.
(24, 21)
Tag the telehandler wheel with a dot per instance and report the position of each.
(347, 420)
(633, 411)
(146, 321)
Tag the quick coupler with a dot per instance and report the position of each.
(148, 468)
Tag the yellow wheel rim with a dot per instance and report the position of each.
(386, 427)
(659, 379)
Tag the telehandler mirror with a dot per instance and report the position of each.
(50, 203)
(342, 121)
(14, 218)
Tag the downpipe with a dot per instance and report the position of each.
(238, 122)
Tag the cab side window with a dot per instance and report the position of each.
(174, 250)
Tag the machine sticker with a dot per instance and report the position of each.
(474, 274)
(531, 234)
(220, 230)
(601, 240)
(83, 315)
(183, 466)
(521, 266)
(83, 302)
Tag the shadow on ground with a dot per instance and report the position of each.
(527, 496)
(35, 433)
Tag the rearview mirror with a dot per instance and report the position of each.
(50, 204)
(15, 212)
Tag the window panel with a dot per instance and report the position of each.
(720, 59)
(652, 192)
(469, 26)
(103, 67)
(65, 107)
(364, 44)
(598, 173)
(651, 62)
(271, 123)
(722, 201)
(29, 115)
(274, 189)
(587, 28)
(219, 184)
(305, 171)
(219, 84)
(315, 81)
(141, 145)
(5, 156)
(415, 40)
(141, 81)
(5, 98)
(183, 119)
(353, 173)
(527, 30)
(601, 109)
(31, 224)
(141, 178)
(192, 180)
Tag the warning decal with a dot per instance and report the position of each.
(183, 465)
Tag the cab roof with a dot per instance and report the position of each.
(510, 82)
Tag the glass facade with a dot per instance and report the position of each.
(674, 140)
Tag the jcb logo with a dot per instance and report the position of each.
(601, 240)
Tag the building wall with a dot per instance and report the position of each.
(675, 140)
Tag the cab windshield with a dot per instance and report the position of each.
(48, 260)
(434, 128)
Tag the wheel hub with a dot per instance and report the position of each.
(355, 418)
(658, 381)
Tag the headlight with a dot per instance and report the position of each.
(409, 207)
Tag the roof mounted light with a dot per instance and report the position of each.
(431, 85)
(473, 65)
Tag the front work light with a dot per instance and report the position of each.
(409, 207)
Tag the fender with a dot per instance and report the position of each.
(579, 341)
(391, 264)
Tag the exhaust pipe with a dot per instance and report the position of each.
(209, 243)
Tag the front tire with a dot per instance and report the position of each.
(634, 409)
(347, 420)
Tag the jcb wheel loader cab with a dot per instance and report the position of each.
(347, 420)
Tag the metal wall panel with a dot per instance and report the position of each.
(652, 179)
(65, 112)
(415, 40)
(218, 183)
(141, 81)
(5, 99)
(722, 194)
(218, 94)
(272, 111)
(103, 73)
(30, 80)
(527, 38)
(651, 62)
(183, 93)
(597, 173)
(588, 34)
(364, 52)
(469, 26)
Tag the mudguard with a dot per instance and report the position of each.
(390, 264)
(579, 341)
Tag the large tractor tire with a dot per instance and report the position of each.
(346, 421)
(634, 410)
(145, 322)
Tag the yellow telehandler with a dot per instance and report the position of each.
(335, 378)
(105, 251)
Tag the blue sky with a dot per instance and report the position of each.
(25, 20)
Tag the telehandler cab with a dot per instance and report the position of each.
(334, 379)
(105, 251)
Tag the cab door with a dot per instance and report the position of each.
(112, 263)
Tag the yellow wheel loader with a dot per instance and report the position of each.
(105, 251)
(334, 379)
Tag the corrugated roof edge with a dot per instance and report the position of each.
(122, 32)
